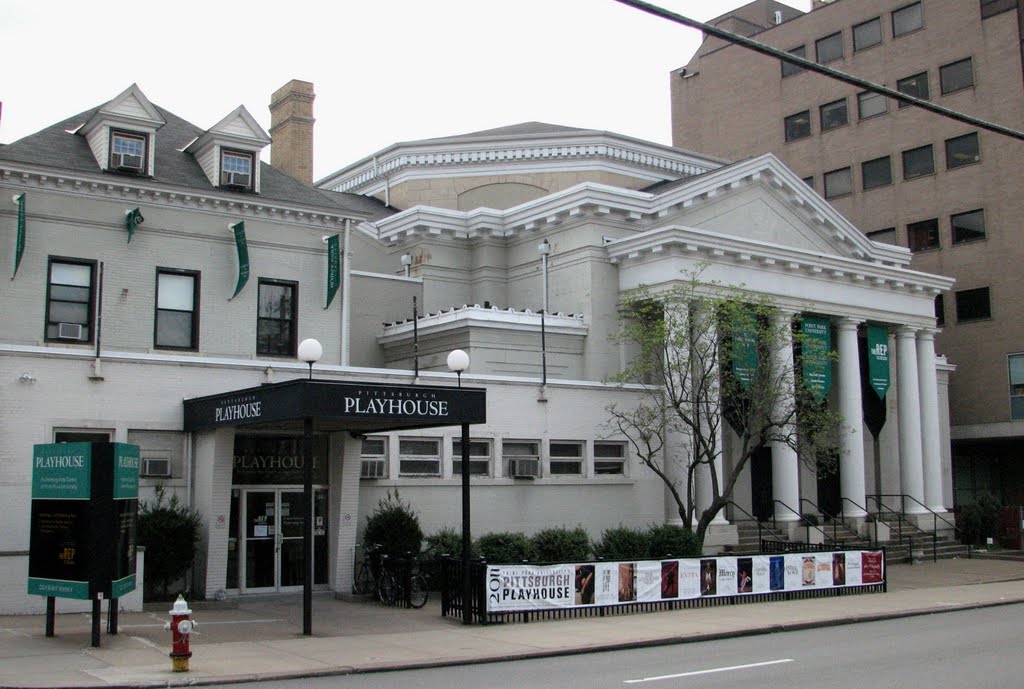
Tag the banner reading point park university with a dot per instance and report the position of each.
(512, 588)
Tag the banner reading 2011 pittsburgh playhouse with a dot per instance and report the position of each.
(538, 587)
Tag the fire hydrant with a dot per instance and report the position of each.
(181, 627)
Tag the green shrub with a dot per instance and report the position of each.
(670, 540)
(623, 543)
(169, 530)
(447, 541)
(394, 527)
(979, 520)
(505, 547)
(561, 544)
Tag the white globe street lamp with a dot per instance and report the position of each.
(458, 361)
(310, 351)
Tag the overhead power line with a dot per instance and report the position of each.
(822, 69)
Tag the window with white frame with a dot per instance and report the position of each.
(1016, 362)
(374, 457)
(419, 457)
(128, 152)
(479, 457)
(566, 457)
(71, 292)
(609, 457)
(177, 316)
(522, 458)
(236, 169)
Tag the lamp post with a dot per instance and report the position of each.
(458, 361)
(310, 351)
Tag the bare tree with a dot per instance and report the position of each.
(708, 356)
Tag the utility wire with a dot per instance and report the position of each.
(821, 69)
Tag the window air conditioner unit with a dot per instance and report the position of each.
(235, 179)
(124, 161)
(156, 467)
(69, 331)
(523, 468)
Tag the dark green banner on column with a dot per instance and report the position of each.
(238, 229)
(19, 242)
(744, 347)
(816, 348)
(878, 359)
(333, 267)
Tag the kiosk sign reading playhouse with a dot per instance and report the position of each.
(85, 501)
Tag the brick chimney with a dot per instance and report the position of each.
(291, 128)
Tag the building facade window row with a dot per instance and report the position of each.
(389, 456)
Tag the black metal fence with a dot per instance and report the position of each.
(451, 594)
(776, 547)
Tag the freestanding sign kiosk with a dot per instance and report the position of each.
(85, 500)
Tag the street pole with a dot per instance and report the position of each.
(467, 612)
(307, 525)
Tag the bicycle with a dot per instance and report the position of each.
(363, 580)
(418, 591)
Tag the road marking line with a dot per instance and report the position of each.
(708, 672)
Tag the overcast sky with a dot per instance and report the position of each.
(383, 71)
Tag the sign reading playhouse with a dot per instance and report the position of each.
(348, 406)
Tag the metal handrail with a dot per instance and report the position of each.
(902, 519)
(840, 520)
(957, 531)
(807, 524)
(865, 510)
(755, 520)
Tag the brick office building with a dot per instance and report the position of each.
(948, 191)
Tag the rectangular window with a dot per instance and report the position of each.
(962, 150)
(522, 458)
(374, 457)
(275, 322)
(177, 309)
(834, 115)
(973, 304)
(566, 458)
(968, 227)
(918, 162)
(956, 76)
(609, 458)
(829, 48)
(940, 309)
(419, 457)
(1016, 362)
(871, 104)
(838, 183)
(915, 85)
(907, 19)
(809, 181)
(70, 297)
(798, 126)
(867, 34)
(128, 152)
(876, 173)
(886, 236)
(788, 68)
(923, 235)
(990, 8)
(479, 457)
(236, 169)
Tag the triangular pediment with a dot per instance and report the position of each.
(130, 108)
(239, 130)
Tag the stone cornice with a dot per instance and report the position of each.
(137, 190)
(523, 154)
(476, 316)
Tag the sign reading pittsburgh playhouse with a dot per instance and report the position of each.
(356, 405)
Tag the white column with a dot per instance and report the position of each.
(930, 441)
(785, 463)
(851, 458)
(704, 487)
(675, 469)
(909, 410)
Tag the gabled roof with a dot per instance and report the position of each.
(131, 108)
(59, 150)
(239, 128)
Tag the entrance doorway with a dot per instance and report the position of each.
(761, 489)
(271, 539)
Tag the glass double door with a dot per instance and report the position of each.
(272, 539)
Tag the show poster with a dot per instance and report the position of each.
(512, 588)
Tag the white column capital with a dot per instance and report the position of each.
(907, 331)
(848, 323)
(927, 333)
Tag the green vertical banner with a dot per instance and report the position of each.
(816, 347)
(878, 359)
(744, 347)
(238, 229)
(19, 242)
(333, 267)
(132, 219)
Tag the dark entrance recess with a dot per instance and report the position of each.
(761, 484)
(830, 501)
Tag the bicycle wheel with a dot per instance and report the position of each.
(417, 591)
(387, 588)
(363, 582)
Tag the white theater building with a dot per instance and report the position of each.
(456, 223)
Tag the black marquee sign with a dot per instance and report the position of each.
(357, 407)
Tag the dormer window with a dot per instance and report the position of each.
(236, 169)
(128, 152)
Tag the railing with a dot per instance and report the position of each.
(807, 524)
(760, 527)
(902, 519)
(862, 508)
(835, 521)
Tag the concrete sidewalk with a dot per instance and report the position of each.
(261, 638)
